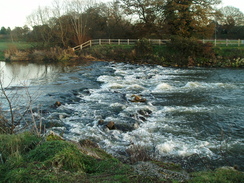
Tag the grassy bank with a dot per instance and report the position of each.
(28, 158)
(8, 45)
(179, 53)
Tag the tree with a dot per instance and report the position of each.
(42, 30)
(231, 16)
(19, 33)
(190, 18)
(148, 14)
(75, 10)
(3, 31)
(107, 21)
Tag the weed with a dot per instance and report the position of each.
(14, 144)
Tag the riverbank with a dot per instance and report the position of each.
(27, 157)
(178, 53)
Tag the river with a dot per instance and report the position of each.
(193, 116)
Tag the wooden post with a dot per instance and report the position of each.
(226, 43)
(109, 42)
(90, 43)
(128, 42)
(239, 42)
(215, 42)
(81, 46)
(203, 41)
(100, 42)
(159, 42)
(118, 41)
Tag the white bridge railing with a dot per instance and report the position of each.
(116, 42)
(225, 42)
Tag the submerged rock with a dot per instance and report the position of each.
(111, 125)
(56, 104)
(137, 98)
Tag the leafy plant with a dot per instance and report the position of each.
(190, 52)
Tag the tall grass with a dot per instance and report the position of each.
(5, 45)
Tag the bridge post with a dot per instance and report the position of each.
(81, 47)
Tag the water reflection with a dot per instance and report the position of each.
(21, 73)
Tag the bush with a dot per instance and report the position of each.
(190, 52)
(52, 54)
(143, 48)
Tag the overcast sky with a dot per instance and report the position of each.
(14, 12)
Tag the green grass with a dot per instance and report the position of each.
(27, 158)
(221, 175)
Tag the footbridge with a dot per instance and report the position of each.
(93, 42)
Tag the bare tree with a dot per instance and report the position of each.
(39, 20)
(231, 16)
(76, 9)
(58, 11)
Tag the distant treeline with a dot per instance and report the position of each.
(69, 23)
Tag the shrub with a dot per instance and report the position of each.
(189, 52)
(143, 48)
(52, 54)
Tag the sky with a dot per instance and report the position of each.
(13, 13)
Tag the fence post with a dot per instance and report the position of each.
(81, 46)
(90, 43)
(226, 43)
(203, 41)
(128, 42)
(109, 42)
(118, 41)
(100, 42)
(215, 42)
(239, 42)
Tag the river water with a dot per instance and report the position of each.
(193, 116)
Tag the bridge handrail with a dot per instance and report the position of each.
(116, 42)
(152, 41)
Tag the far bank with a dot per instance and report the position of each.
(178, 52)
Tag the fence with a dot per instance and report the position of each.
(117, 42)
(93, 42)
(225, 42)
